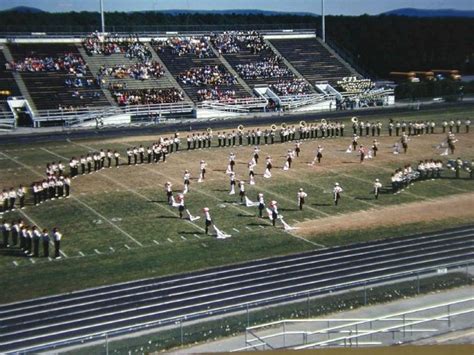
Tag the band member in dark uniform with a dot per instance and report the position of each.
(57, 236)
(274, 212)
(207, 219)
(301, 196)
(404, 141)
(169, 192)
(45, 241)
(377, 187)
(255, 154)
(336, 192)
(242, 190)
(261, 205)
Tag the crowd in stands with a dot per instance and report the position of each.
(215, 94)
(198, 46)
(214, 75)
(69, 63)
(148, 96)
(138, 71)
(129, 45)
(236, 41)
(290, 87)
(271, 67)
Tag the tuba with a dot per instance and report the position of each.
(209, 130)
(273, 127)
(283, 125)
(5, 92)
(354, 119)
(303, 124)
(240, 127)
(323, 121)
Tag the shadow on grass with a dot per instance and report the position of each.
(167, 217)
(364, 198)
(220, 190)
(158, 201)
(288, 209)
(321, 204)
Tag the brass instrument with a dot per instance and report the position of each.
(273, 127)
(5, 92)
(303, 124)
(283, 125)
(209, 130)
(240, 127)
(354, 119)
(323, 121)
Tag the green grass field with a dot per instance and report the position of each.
(117, 226)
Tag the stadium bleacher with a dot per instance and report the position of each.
(7, 84)
(47, 88)
(312, 59)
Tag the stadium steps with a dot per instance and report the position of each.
(341, 60)
(22, 89)
(290, 66)
(79, 315)
(312, 59)
(106, 92)
(231, 70)
(169, 77)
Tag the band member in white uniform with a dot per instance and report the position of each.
(274, 212)
(187, 177)
(268, 169)
(117, 157)
(202, 169)
(362, 153)
(45, 241)
(377, 187)
(232, 161)
(207, 219)
(251, 166)
(181, 206)
(242, 190)
(301, 196)
(169, 192)
(256, 150)
(232, 183)
(297, 148)
(57, 236)
(261, 204)
(336, 192)
(375, 147)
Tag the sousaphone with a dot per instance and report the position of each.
(354, 119)
(240, 127)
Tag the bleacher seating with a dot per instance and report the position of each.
(312, 59)
(7, 84)
(177, 64)
(47, 88)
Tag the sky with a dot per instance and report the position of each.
(333, 7)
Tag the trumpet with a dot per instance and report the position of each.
(209, 130)
(240, 127)
(354, 119)
(283, 125)
(303, 124)
(273, 127)
(323, 121)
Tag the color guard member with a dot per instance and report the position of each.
(207, 219)
(186, 178)
(45, 241)
(57, 236)
(336, 192)
(377, 187)
(301, 196)
(261, 205)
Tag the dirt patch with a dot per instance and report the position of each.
(459, 206)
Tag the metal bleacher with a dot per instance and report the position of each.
(48, 89)
(314, 61)
(178, 64)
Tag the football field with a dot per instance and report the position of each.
(117, 225)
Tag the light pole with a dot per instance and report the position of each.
(102, 20)
(323, 25)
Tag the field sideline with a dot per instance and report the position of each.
(118, 227)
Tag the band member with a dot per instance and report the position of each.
(266, 134)
(102, 156)
(232, 183)
(129, 155)
(187, 177)
(96, 158)
(232, 161)
(6, 233)
(25, 238)
(60, 187)
(251, 166)
(377, 187)
(301, 196)
(15, 232)
(362, 152)
(181, 206)
(468, 124)
(258, 135)
(374, 127)
(458, 126)
(355, 138)
(319, 154)
(202, 169)
(57, 236)
(29, 241)
(289, 158)
(379, 128)
(36, 241)
(272, 136)
(109, 158)
(375, 147)
(12, 199)
(451, 140)
(336, 192)
(73, 167)
(242, 190)
(273, 212)
(451, 126)
(169, 192)
(177, 141)
(207, 219)
(458, 167)
(268, 168)
(83, 163)
(297, 148)
(256, 150)
(390, 129)
(45, 241)
(135, 155)
(397, 128)
(444, 125)
(404, 141)
(261, 205)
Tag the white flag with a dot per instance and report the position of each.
(349, 150)
(173, 202)
(249, 203)
(267, 174)
(287, 226)
(221, 234)
(191, 217)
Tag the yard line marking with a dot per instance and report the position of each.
(50, 258)
(157, 243)
(126, 246)
(236, 230)
(204, 245)
(81, 253)
(170, 240)
(15, 263)
(247, 227)
(76, 199)
(196, 236)
(32, 261)
(136, 192)
(112, 249)
(261, 227)
(306, 240)
(183, 237)
(98, 252)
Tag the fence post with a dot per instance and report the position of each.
(248, 316)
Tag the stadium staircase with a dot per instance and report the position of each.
(313, 59)
(178, 64)
(47, 89)
(339, 58)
